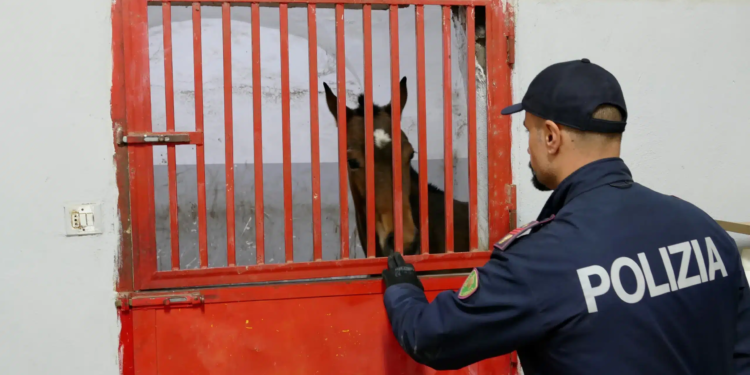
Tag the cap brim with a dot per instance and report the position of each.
(515, 108)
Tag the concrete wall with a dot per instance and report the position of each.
(683, 66)
(57, 314)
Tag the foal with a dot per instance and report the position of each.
(382, 136)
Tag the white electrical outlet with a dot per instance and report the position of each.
(83, 219)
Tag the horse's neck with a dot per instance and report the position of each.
(432, 193)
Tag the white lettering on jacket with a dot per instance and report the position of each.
(644, 278)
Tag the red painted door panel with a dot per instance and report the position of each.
(329, 335)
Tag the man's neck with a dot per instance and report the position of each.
(581, 160)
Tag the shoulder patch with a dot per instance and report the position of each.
(470, 285)
(515, 233)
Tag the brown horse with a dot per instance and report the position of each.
(355, 131)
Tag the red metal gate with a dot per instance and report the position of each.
(290, 317)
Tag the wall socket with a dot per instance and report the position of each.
(83, 219)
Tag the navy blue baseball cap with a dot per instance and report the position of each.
(569, 92)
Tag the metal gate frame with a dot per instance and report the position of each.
(140, 284)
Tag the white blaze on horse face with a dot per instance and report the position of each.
(382, 138)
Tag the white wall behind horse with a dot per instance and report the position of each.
(299, 80)
(684, 69)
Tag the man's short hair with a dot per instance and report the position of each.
(603, 112)
(607, 112)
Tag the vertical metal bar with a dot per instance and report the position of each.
(472, 117)
(424, 226)
(260, 256)
(141, 163)
(199, 149)
(312, 38)
(341, 86)
(398, 217)
(125, 249)
(499, 95)
(226, 19)
(369, 129)
(125, 262)
(286, 133)
(447, 129)
(174, 231)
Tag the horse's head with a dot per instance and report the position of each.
(381, 137)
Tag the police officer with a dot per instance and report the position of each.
(612, 278)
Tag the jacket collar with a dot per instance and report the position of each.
(590, 176)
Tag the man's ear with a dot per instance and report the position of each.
(552, 134)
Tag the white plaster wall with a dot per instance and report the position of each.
(57, 314)
(685, 70)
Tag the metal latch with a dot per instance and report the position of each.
(165, 138)
(172, 301)
(155, 138)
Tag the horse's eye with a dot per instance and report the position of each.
(353, 163)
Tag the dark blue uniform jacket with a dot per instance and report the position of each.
(622, 280)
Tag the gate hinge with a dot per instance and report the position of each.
(158, 138)
(511, 49)
(167, 301)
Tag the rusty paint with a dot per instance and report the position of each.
(499, 24)
(125, 257)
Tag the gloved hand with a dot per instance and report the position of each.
(400, 272)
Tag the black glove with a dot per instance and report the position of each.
(400, 272)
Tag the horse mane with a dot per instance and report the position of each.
(376, 109)
(430, 186)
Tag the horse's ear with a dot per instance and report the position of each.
(404, 93)
(331, 100)
(333, 104)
